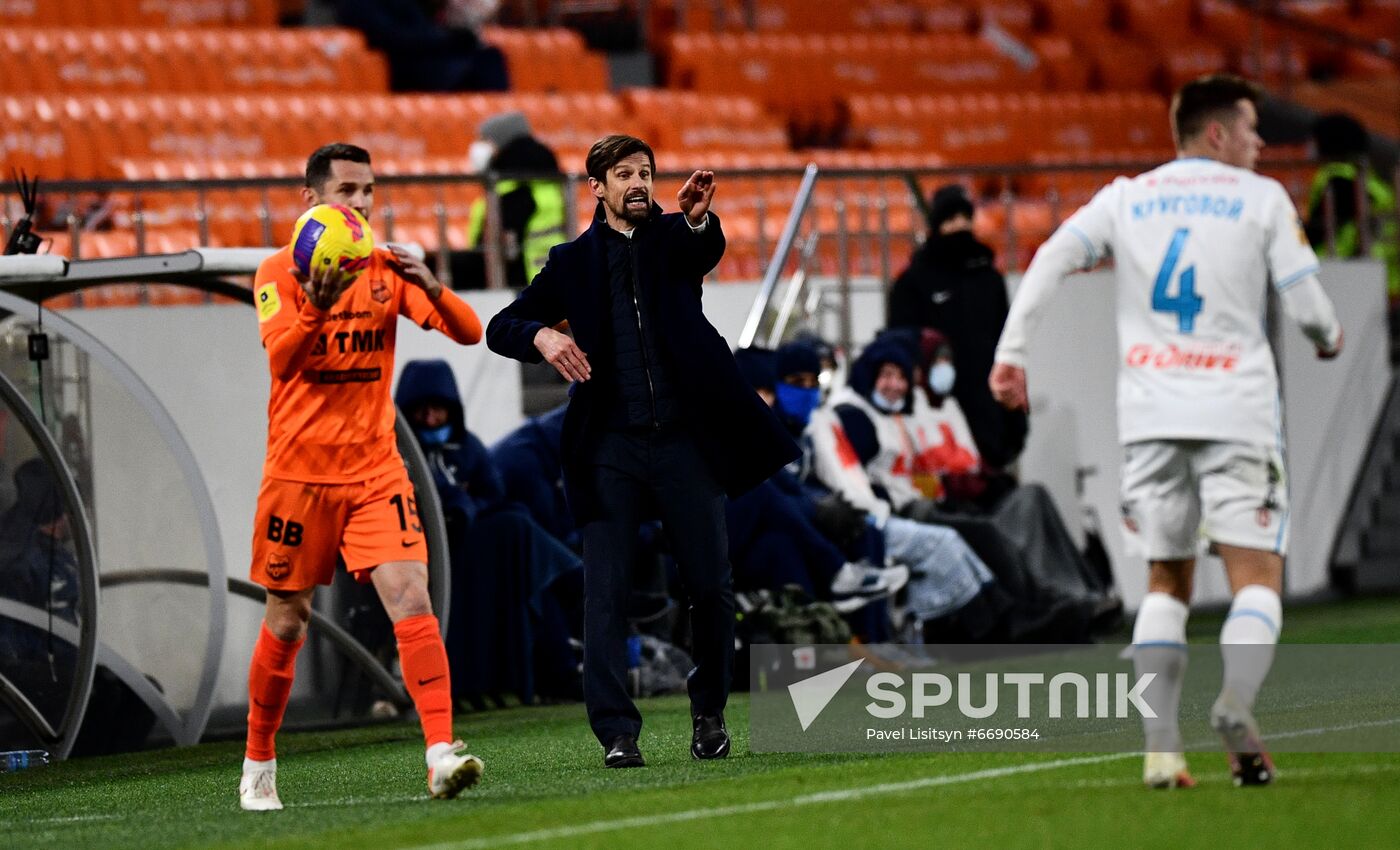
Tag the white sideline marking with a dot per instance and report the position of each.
(838, 795)
(614, 824)
(76, 818)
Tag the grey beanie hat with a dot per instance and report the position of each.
(500, 130)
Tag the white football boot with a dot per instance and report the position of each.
(257, 790)
(453, 772)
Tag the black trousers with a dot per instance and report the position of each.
(636, 477)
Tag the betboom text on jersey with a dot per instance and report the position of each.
(1145, 356)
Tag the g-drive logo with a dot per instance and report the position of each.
(892, 694)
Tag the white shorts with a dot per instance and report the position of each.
(1177, 491)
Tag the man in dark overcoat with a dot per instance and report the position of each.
(660, 424)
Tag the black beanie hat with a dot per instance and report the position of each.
(947, 202)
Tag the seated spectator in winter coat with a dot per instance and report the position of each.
(864, 448)
(948, 580)
(948, 468)
(532, 472)
(514, 586)
(773, 541)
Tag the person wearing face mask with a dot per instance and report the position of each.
(864, 447)
(532, 211)
(946, 450)
(660, 423)
(511, 579)
(952, 286)
(861, 450)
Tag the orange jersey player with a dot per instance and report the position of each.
(334, 483)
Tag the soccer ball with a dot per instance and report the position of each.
(332, 235)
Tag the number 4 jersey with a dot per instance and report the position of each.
(1196, 243)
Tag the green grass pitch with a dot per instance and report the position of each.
(544, 787)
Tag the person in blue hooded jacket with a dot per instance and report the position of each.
(512, 581)
(532, 470)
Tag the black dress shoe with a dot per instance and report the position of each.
(710, 739)
(624, 753)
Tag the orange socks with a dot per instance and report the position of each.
(269, 685)
(424, 661)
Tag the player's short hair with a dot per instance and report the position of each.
(610, 150)
(1207, 99)
(318, 165)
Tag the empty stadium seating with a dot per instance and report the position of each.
(194, 90)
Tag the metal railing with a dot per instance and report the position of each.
(861, 222)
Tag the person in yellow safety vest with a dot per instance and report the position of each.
(532, 211)
(1342, 144)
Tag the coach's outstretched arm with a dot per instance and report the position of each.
(1064, 252)
(701, 248)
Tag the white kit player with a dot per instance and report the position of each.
(1196, 243)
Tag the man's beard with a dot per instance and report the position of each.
(632, 216)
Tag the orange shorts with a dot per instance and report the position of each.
(300, 528)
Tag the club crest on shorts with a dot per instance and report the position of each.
(278, 567)
(1128, 522)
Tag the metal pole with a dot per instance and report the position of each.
(571, 206)
(793, 291)
(1007, 202)
(760, 212)
(918, 214)
(138, 223)
(882, 211)
(201, 216)
(867, 238)
(780, 255)
(444, 251)
(843, 277)
(491, 238)
(74, 248)
(265, 217)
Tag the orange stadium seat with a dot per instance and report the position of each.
(1158, 20)
(1068, 17)
(112, 295)
(1065, 68)
(1016, 17)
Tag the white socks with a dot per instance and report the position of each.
(437, 751)
(1248, 638)
(250, 766)
(1159, 646)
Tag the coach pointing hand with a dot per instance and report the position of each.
(660, 424)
